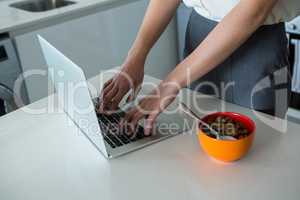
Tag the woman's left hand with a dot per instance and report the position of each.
(151, 106)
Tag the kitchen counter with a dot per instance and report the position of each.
(44, 157)
(15, 20)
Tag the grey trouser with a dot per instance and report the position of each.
(255, 76)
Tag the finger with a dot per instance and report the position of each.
(105, 109)
(102, 101)
(108, 99)
(129, 115)
(107, 88)
(134, 122)
(100, 108)
(110, 94)
(134, 93)
(130, 97)
(125, 122)
(107, 83)
(149, 123)
(117, 99)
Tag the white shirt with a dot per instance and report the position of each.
(284, 10)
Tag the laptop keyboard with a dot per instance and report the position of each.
(113, 134)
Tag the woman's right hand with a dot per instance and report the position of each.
(129, 78)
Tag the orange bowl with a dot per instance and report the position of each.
(227, 150)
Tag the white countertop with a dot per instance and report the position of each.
(12, 19)
(42, 157)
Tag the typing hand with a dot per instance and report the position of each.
(151, 106)
(129, 78)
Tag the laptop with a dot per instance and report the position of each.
(102, 130)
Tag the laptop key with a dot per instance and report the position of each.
(106, 132)
(114, 139)
(116, 135)
(124, 139)
(118, 116)
(109, 142)
(111, 119)
(139, 133)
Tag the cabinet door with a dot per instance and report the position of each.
(95, 42)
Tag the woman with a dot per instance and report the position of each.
(239, 44)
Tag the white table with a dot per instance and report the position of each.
(44, 157)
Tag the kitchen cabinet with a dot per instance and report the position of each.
(12, 93)
(293, 30)
(96, 42)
